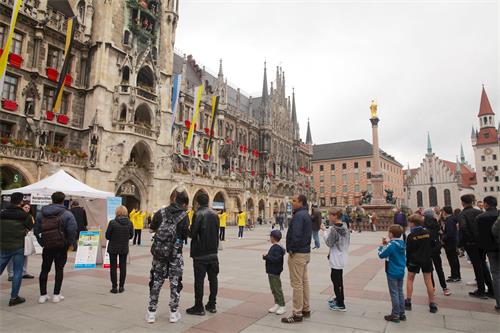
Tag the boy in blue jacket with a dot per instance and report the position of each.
(395, 263)
(274, 267)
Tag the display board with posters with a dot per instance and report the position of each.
(88, 248)
(111, 205)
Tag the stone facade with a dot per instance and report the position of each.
(340, 178)
(119, 136)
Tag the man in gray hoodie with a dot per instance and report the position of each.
(55, 230)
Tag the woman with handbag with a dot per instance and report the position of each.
(29, 249)
(120, 231)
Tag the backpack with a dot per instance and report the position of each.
(165, 237)
(53, 235)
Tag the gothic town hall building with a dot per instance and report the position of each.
(115, 131)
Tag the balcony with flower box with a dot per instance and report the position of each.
(62, 119)
(15, 60)
(68, 80)
(50, 115)
(52, 74)
(9, 105)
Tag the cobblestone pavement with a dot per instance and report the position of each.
(244, 297)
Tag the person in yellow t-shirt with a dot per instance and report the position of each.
(242, 221)
(138, 223)
(222, 225)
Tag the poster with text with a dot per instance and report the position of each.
(112, 204)
(88, 246)
(105, 263)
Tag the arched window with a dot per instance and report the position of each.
(123, 113)
(432, 196)
(81, 12)
(420, 200)
(126, 37)
(447, 197)
(143, 116)
(125, 75)
(145, 78)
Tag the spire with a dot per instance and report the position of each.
(473, 134)
(485, 107)
(278, 79)
(221, 74)
(429, 145)
(283, 93)
(458, 167)
(294, 117)
(309, 140)
(264, 86)
(462, 155)
(408, 171)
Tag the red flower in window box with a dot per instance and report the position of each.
(194, 152)
(207, 130)
(185, 151)
(15, 60)
(50, 115)
(62, 119)
(187, 123)
(253, 173)
(52, 74)
(7, 104)
(270, 174)
(68, 80)
(241, 148)
(4, 140)
(205, 156)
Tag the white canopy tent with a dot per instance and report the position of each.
(61, 181)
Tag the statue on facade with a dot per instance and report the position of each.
(266, 184)
(366, 198)
(389, 197)
(94, 140)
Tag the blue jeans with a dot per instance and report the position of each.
(397, 296)
(316, 238)
(17, 258)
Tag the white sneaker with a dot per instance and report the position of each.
(175, 316)
(43, 299)
(151, 317)
(274, 308)
(281, 310)
(57, 298)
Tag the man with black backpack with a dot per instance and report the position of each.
(171, 227)
(55, 229)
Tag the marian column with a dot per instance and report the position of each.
(376, 175)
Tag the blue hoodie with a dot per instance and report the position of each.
(396, 259)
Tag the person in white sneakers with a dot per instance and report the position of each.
(274, 267)
(55, 230)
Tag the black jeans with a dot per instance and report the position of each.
(222, 233)
(113, 263)
(137, 236)
(451, 254)
(338, 286)
(481, 270)
(202, 268)
(438, 267)
(240, 231)
(59, 258)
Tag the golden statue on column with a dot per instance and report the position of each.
(373, 109)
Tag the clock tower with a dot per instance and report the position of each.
(486, 144)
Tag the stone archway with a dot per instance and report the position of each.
(131, 195)
(282, 207)
(250, 208)
(12, 177)
(219, 202)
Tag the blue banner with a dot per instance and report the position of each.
(176, 88)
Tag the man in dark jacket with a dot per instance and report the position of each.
(450, 241)
(204, 235)
(63, 220)
(172, 268)
(316, 224)
(298, 246)
(469, 237)
(489, 245)
(432, 225)
(80, 217)
(14, 225)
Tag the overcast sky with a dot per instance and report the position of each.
(423, 61)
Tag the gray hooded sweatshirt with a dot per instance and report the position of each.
(337, 238)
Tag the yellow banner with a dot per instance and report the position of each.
(69, 39)
(195, 116)
(6, 50)
(215, 105)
